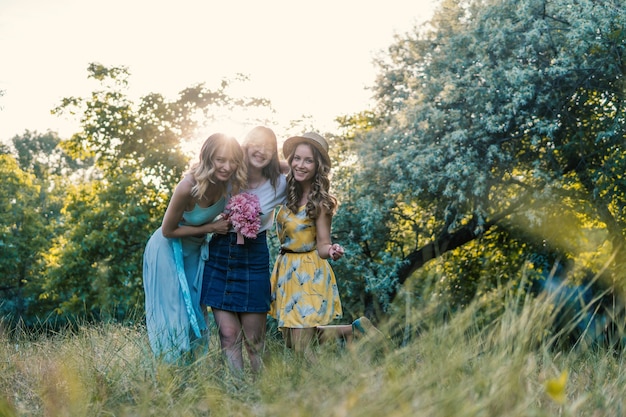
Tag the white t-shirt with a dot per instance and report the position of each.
(270, 199)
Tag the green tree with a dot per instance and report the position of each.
(497, 118)
(137, 148)
(95, 264)
(24, 237)
(43, 155)
(44, 170)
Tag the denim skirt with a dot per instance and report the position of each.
(237, 276)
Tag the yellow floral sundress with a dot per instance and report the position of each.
(304, 289)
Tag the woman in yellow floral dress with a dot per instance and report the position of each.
(304, 295)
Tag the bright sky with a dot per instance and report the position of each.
(309, 58)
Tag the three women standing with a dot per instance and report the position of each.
(235, 279)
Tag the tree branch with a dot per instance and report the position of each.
(444, 242)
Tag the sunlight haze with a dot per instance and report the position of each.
(308, 58)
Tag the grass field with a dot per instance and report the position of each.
(463, 365)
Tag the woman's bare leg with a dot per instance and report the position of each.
(359, 327)
(333, 332)
(301, 341)
(254, 325)
(231, 336)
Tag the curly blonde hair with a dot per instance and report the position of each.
(319, 198)
(203, 171)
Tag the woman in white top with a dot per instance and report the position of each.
(236, 281)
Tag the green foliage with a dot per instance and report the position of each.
(500, 117)
(24, 236)
(95, 265)
(80, 210)
(496, 145)
(94, 269)
(42, 155)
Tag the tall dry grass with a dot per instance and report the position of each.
(482, 361)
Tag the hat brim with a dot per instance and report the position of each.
(290, 145)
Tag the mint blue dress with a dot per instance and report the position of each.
(170, 326)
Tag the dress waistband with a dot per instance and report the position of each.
(283, 251)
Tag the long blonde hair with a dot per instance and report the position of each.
(203, 171)
(319, 197)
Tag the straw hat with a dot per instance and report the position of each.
(311, 138)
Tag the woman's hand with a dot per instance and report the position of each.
(335, 251)
(220, 226)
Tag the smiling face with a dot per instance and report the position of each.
(259, 153)
(303, 164)
(260, 148)
(224, 164)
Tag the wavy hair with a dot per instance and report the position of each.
(319, 198)
(203, 171)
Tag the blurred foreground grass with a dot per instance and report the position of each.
(472, 363)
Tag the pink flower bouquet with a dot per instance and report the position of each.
(244, 212)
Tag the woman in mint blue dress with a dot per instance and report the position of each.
(172, 263)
